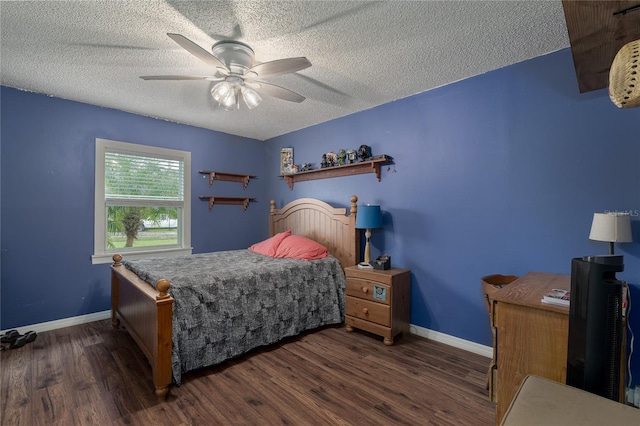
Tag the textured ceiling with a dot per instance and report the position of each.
(363, 53)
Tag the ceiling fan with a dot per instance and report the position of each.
(237, 74)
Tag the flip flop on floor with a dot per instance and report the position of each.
(18, 343)
(15, 340)
(9, 336)
(30, 336)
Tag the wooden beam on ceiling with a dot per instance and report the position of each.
(596, 35)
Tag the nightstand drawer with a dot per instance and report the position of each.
(369, 290)
(370, 311)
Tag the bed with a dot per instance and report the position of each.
(149, 304)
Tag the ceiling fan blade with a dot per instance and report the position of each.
(179, 77)
(277, 91)
(279, 67)
(197, 51)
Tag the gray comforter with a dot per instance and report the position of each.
(227, 303)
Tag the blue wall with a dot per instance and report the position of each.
(500, 173)
(48, 156)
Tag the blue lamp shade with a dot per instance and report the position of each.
(369, 217)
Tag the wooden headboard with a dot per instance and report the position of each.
(318, 221)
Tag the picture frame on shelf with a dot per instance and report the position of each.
(286, 161)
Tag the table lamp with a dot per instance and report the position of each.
(368, 217)
(611, 227)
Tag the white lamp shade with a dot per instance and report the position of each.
(611, 227)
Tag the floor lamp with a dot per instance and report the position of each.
(368, 217)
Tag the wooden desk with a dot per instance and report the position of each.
(531, 336)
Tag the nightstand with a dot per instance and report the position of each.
(378, 301)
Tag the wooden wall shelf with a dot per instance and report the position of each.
(371, 166)
(230, 177)
(244, 202)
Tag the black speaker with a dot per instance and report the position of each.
(595, 325)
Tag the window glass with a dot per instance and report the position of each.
(141, 209)
(156, 226)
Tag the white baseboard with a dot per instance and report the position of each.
(456, 342)
(65, 322)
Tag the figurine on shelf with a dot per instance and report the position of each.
(351, 156)
(324, 162)
(364, 152)
(342, 155)
(306, 167)
(332, 159)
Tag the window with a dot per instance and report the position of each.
(142, 205)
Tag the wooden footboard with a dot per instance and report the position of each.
(146, 313)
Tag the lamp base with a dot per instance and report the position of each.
(364, 265)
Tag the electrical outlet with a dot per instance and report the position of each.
(630, 396)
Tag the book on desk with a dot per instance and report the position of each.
(557, 296)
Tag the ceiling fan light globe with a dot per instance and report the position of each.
(251, 98)
(220, 91)
(228, 101)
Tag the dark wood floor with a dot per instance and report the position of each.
(92, 375)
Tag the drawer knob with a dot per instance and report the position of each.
(365, 311)
(365, 290)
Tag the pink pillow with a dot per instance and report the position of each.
(297, 247)
(269, 246)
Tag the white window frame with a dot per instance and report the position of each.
(103, 255)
